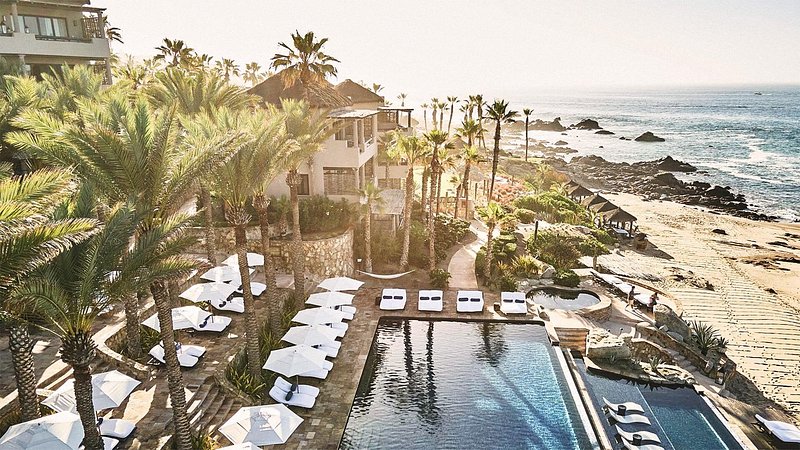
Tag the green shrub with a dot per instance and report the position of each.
(603, 236)
(203, 441)
(556, 250)
(554, 207)
(525, 215)
(525, 266)
(590, 246)
(320, 214)
(418, 245)
(704, 335)
(566, 278)
(439, 278)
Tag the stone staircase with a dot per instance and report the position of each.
(211, 406)
(573, 338)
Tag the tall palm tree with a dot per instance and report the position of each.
(479, 104)
(447, 161)
(457, 180)
(500, 114)
(442, 108)
(376, 88)
(452, 101)
(252, 73)
(175, 52)
(133, 154)
(371, 194)
(471, 157)
(527, 112)
(308, 130)
(402, 98)
(30, 239)
(411, 149)
(226, 68)
(434, 108)
(492, 215)
(424, 107)
(469, 130)
(304, 61)
(436, 138)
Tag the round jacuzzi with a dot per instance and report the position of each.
(566, 299)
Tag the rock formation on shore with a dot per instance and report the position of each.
(603, 132)
(649, 137)
(544, 125)
(586, 124)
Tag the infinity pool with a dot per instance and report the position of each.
(462, 385)
(555, 298)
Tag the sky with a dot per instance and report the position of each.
(496, 47)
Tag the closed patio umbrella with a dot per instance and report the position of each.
(317, 316)
(109, 390)
(261, 425)
(340, 284)
(294, 360)
(183, 317)
(330, 299)
(208, 292)
(310, 335)
(224, 274)
(59, 431)
(253, 259)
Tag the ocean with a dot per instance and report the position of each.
(747, 141)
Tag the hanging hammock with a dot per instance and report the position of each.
(385, 277)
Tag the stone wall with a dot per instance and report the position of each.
(665, 317)
(643, 350)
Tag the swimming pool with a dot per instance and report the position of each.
(679, 416)
(444, 384)
(556, 298)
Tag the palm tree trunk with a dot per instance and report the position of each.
(177, 395)
(438, 191)
(407, 216)
(132, 331)
(261, 203)
(466, 190)
(20, 345)
(368, 238)
(526, 139)
(432, 225)
(208, 222)
(458, 195)
(83, 352)
(298, 257)
(495, 157)
(487, 269)
(425, 118)
(423, 200)
(450, 122)
(173, 289)
(250, 319)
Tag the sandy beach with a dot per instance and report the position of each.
(740, 281)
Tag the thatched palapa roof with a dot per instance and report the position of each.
(357, 93)
(579, 191)
(621, 216)
(318, 95)
(594, 199)
(603, 207)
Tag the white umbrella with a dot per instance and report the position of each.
(317, 316)
(242, 446)
(109, 390)
(294, 360)
(340, 284)
(253, 259)
(330, 299)
(59, 431)
(310, 335)
(261, 425)
(207, 292)
(183, 317)
(224, 274)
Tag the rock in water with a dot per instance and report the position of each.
(669, 164)
(603, 132)
(586, 124)
(719, 231)
(544, 125)
(560, 143)
(649, 137)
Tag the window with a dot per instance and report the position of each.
(340, 181)
(46, 26)
(304, 188)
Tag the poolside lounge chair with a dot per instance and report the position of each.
(339, 326)
(346, 309)
(630, 407)
(631, 446)
(393, 299)
(292, 399)
(320, 373)
(469, 301)
(513, 303)
(646, 436)
(213, 323)
(255, 287)
(629, 418)
(301, 388)
(193, 350)
(430, 300)
(347, 315)
(109, 443)
(116, 428)
(233, 304)
(184, 359)
(783, 431)
(331, 351)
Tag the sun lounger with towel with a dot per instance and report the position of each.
(393, 299)
(116, 428)
(347, 309)
(300, 388)
(255, 287)
(320, 373)
(469, 301)
(430, 300)
(645, 435)
(184, 359)
(631, 418)
(331, 351)
(214, 323)
(513, 303)
(291, 398)
(783, 431)
(629, 407)
(233, 304)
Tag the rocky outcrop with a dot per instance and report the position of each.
(666, 317)
(603, 132)
(649, 137)
(603, 345)
(559, 142)
(586, 124)
(544, 125)
(669, 164)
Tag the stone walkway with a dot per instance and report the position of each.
(462, 264)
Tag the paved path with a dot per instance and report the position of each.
(462, 264)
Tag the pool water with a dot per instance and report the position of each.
(555, 298)
(679, 416)
(462, 385)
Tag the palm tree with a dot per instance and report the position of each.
(434, 107)
(376, 88)
(500, 113)
(227, 67)
(435, 138)
(492, 215)
(442, 107)
(479, 104)
(252, 73)
(372, 196)
(527, 112)
(175, 52)
(457, 180)
(30, 239)
(446, 161)
(471, 157)
(411, 149)
(305, 62)
(424, 107)
(308, 130)
(452, 101)
(402, 98)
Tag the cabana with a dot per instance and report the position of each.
(619, 218)
(602, 208)
(594, 199)
(579, 192)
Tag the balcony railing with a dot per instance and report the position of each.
(92, 27)
(40, 37)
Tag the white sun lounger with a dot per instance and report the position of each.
(193, 350)
(299, 400)
(431, 300)
(319, 373)
(116, 428)
(330, 351)
(630, 407)
(233, 304)
(255, 287)
(513, 303)
(214, 323)
(783, 431)
(109, 443)
(184, 359)
(630, 446)
(393, 299)
(645, 435)
(346, 309)
(628, 418)
(347, 315)
(469, 301)
(340, 327)
(301, 388)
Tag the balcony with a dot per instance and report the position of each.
(19, 43)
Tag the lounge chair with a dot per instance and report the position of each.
(431, 300)
(631, 446)
(319, 373)
(184, 359)
(783, 431)
(116, 428)
(301, 388)
(255, 287)
(628, 418)
(194, 350)
(645, 435)
(330, 351)
(292, 399)
(513, 303)
(469, 301)
(393, 299)
(233, 304)
(347, 309)
(214, 324)
(347, 315)
(339, 326)
(109, 443)
(630, 407)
